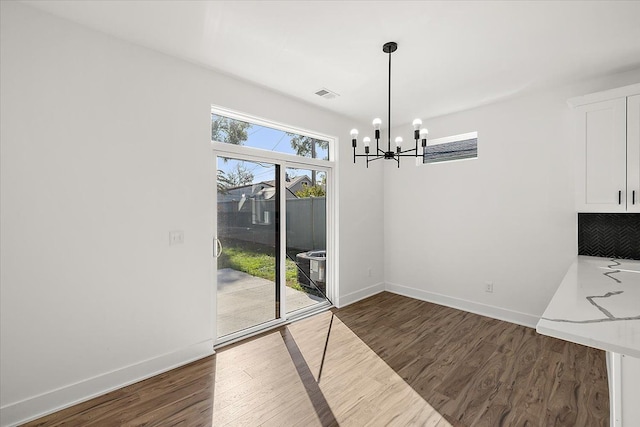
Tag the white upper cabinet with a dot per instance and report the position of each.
(633, 153)
(608, 151)
(602, 157)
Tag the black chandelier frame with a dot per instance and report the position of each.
(389, 154)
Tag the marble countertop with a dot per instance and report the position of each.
(598, 305)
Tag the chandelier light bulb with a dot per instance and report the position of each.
(366, 141)
(398, 141)
(424, 132)
(376, 123)
(416, 124)
(354, 132)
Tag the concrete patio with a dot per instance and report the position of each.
(245, 301)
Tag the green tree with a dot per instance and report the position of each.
(305, 146)
(310, 191)
(230, 131)
(223, 182)
(240, 175)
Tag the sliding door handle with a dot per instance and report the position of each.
(619, 197)
(217, 247)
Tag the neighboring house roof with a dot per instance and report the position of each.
(253, 185)
(266, 188)
(291, 183)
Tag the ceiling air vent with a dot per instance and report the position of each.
(326, 94)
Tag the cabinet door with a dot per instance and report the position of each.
(601, 168)
(633, 153)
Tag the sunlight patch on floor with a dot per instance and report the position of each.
(273, 380)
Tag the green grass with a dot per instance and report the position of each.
(256, 260)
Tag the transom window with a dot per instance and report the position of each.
(230, 130)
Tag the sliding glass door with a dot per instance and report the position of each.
(272, 243)
(248, 244)
(306, 233)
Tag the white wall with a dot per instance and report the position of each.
(507, 217)
(104, 150)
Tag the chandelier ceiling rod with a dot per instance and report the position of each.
(389, 48)
(418, 132)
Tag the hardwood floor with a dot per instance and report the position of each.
(390, 360)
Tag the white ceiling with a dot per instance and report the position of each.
(451, 55)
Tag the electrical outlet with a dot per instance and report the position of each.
(369, 272)
(488, 287)
(176, 237)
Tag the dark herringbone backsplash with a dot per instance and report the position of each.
(609, 235)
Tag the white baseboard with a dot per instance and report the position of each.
(359, 295)
(499, 313)
(37, 406)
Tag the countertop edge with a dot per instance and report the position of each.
(564, 317)
(582, 340)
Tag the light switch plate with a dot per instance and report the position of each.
(176, 237)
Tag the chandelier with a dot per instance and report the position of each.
(418, 131)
